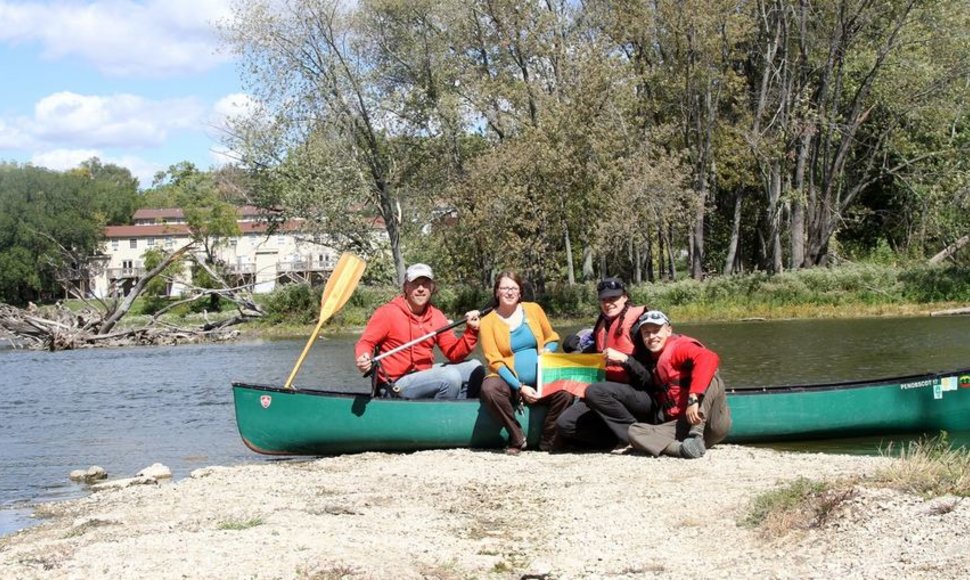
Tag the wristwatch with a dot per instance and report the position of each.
(693, 399)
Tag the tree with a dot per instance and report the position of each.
(51, 224)
(308, 68)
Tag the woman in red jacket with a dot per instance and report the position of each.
(603, 417)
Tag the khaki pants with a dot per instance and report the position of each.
(655, 439)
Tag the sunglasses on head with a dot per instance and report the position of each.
(653, 317)
(609, 285)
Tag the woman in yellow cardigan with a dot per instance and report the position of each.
(512, 335)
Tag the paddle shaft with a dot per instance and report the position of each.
(409, 344)
(306, 349)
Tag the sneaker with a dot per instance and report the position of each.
(622, 449)
(692, 448)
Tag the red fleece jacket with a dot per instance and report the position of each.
(393, 324)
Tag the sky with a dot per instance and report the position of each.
(140, 84)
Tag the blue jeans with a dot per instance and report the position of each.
(442, 381)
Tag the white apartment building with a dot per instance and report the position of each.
(254, 258)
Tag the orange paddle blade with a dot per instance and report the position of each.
(341, 284)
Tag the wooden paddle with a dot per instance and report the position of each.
(341, 284)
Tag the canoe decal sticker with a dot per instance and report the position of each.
(266, 401)
(917, 384)
(965, 382)
(948, 383)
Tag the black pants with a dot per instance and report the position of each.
(604, 416)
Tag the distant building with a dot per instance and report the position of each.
(253, 259)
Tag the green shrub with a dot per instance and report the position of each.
(936, 284)
(565, 300)
(787, 498)
(294, 303)
(151, 304)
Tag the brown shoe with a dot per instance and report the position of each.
(515, 450)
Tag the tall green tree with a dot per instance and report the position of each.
(52, 223)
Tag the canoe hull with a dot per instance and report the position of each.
(278, 421)
(912, 404)
(304, 422)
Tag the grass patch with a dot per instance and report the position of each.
(240, 524)
(798, 505)
(928, 467)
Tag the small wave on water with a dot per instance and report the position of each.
(14, 519)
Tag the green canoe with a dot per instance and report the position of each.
(280, 421)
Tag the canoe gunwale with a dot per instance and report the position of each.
(734, 391)
(341, 394)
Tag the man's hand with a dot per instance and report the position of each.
(615, 356)
(473, 318)
(694, 413)
(363, 363)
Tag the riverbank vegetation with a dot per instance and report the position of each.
(848, 291)
(574, 140)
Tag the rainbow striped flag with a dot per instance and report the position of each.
(571, 372)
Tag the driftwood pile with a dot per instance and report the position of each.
(57, 328)
(99, 321)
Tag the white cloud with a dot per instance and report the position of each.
(155, 38)
(114, 120)
(64, 159)
(12, 137)
(233, 106)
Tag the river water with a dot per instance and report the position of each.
(124, 409)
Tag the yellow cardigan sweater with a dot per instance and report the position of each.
(496, 339)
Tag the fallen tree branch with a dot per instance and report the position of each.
(950, 250)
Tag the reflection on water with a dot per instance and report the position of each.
(884, 445)
(124, 409)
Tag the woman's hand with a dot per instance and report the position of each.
(615, 356)
(528, 394)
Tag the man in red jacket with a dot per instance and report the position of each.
(691, 411)
(411, 373)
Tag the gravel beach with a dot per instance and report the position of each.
(482, 514)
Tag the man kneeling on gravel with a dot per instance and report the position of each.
(690, 406)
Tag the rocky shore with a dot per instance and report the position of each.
(482, 514)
